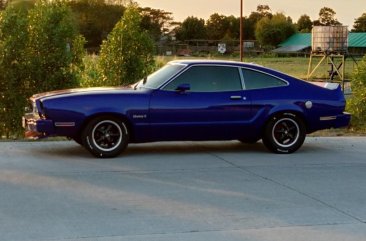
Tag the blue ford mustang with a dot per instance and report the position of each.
(191, 100)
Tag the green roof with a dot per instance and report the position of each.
(297, 39)
(355, 40)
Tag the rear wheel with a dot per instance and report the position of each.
(105, 137)
(284, 133)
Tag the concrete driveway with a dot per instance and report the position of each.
(184, 191)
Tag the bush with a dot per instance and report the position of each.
(91, 75)
(357, 103)
(54, 49)
(128, 53)
(40, 50)
(13, 89)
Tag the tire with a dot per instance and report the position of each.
(105, 137)
(284, 133)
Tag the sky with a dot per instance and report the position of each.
(346, 10)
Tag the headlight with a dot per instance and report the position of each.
(29, 107)
(32, 108)
(35, 108)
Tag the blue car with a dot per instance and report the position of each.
(191, 100)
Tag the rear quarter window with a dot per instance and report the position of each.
(258, 80)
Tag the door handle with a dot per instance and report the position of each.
(237, 97)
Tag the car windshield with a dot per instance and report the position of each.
(156, 79)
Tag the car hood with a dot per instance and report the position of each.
(78, 91)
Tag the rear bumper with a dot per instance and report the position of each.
(37, 128)
(338, 121)
(342, 120)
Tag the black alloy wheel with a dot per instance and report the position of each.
(105, 137)
(284, 133)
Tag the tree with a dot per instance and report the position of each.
(251, 22)
(233, 31)
(3, 4)
(95, 20)
(25, 4)
(360, 24)
(156, 22)
(304, 24)
(326, 18)
(248, 28)
(128, 53)
(55, 49)
(220, 27)
(271, 32)
(191, 28)
(217, 26)
(264, 11)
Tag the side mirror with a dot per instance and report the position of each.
(183, 88)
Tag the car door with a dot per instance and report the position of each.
(205, 102)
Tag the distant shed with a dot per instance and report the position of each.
(357, 43)
(301, 43)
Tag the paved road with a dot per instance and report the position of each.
(184, 191)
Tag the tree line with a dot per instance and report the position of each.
(268, 28)
(96, 18)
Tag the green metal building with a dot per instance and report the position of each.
(301, 43)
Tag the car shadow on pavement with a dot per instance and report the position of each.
(169, 148)
(61, 149)
(70, 149)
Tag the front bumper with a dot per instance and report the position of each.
(36, 128)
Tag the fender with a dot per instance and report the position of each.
(286, 108)
(265, 113)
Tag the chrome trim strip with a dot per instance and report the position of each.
(328, 118)
(64, 124)
(242, 78)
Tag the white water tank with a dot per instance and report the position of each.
(329, 39)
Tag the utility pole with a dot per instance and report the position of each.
(241, 32)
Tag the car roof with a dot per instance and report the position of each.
(213, 62)
(253, 66)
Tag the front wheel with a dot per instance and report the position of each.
(105, 137)
(284, 133)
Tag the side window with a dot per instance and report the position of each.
(257, 80)
(208, 79)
